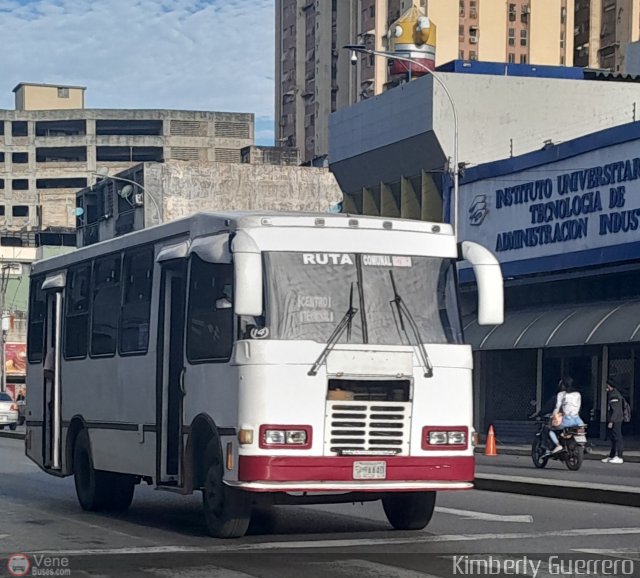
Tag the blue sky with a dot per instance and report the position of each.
(182, 54)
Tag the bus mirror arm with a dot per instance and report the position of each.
(489, 279)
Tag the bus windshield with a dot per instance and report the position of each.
(308, 294)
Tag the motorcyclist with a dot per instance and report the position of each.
(568, 402)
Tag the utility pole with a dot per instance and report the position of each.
(5, 271)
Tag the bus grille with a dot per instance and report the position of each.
(367, 427)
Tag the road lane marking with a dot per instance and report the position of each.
(469, 514)
(625, 553)
(3, 536)
(363, 542)
(368, 568)
(198, 572)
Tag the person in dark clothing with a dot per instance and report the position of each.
(614, 423)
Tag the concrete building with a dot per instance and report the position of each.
(563, 224)
(390, 153)
(51, 146)
(314, 76)
(172, 190)
(603, 29)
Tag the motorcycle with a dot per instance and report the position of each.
(572, 439)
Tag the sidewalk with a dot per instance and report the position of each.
(600, 449)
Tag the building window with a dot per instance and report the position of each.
(523, 37)
(461, 54)
(19, 128)
(461, 4)
(20, 184)
(106, 300)
(473, 55)
(210, 312)
(136, 301)
(523, 59)
(372, 11)
(63, 92)
(512, 58)
(562, 61)
(372, 59)
(512, 36)
(563, 14)
(512, 12)
(461, 31)
(19, 158)
(20, 211)
(1, 210)
(76, 324)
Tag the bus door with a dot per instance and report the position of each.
(170, 382)
(52, 401)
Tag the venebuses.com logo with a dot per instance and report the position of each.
(38, 565)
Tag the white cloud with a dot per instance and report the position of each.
(182, 54)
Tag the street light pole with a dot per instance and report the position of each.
(392, 56)
(134, 183)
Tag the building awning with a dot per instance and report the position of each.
(593, 324)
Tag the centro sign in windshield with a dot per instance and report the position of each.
(309, 293)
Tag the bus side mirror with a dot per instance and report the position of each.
(489, 279)
(247, 261)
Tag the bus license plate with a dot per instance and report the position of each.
(369, 470)
(580, 439)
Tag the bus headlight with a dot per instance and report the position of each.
(437, 438)
(298, 437)
(445, 438)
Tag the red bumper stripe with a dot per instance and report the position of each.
(293, 469)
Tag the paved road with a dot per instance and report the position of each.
(163, 534)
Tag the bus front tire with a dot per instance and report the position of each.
(98, 490)
(227, 510)
(410, 510)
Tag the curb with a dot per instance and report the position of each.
(594, 456)
(561, 489)
(12, 434)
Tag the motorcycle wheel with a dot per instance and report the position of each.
(538, 452)
(575, 455)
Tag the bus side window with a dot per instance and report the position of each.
(37, 316)
(106, 300)
(210, 312)
(135, 314)
(76, 325)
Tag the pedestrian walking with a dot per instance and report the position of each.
(615, 417)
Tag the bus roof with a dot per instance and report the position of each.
(202, 224)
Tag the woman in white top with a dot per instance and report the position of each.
(568, 402)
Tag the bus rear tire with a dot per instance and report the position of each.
(92, 486)
(227, 510)
(121, 495)
(410, 510)
(98, 490)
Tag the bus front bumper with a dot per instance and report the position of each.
(337, 474)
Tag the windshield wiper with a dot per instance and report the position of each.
(345, 323)
(402, 308)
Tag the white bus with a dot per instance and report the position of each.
(262, 358)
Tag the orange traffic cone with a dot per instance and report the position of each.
(490, 448)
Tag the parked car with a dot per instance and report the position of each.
(8, 411)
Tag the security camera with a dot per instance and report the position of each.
(354, 58)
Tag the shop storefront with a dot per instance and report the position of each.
(565, 224)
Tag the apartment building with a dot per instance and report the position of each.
(603, 29)
(314, 76)
(51, 146)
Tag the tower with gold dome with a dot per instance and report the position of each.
(413, 36)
